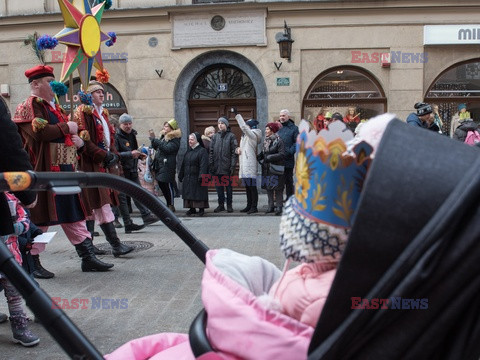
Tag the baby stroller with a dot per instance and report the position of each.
(414, 237)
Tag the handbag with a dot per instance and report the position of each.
(276, 169)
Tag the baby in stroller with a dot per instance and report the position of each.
(271, 313)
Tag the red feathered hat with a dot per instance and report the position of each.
(38, 72)
(274, 126)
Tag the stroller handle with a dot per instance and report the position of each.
(55, 321)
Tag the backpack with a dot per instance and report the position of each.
(472, 138)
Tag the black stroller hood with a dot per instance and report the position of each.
(415, 237)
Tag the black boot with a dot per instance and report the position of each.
(111, 234)
(252, 210)
(270, 210)
(93, 233)
(249, 201)
(279, 211)
(40, 272)
(89, 260)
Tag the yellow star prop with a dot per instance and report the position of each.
(83, 36)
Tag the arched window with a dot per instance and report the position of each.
(459, 84)
(222, 82)
(341, 88)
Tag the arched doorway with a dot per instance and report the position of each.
(343, 87)
(214, 92)
(203, 64)
(458, 84)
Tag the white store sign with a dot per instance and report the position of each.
(221, 28)
(451, 34)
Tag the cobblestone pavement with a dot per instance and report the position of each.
(157, 289)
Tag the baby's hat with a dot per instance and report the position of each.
(328, 181)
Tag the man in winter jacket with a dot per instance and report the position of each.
(288, 133)
(423, 113)
(126, 144)
(222, 161)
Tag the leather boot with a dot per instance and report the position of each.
(279, 211)
(91, 230)
(252, 210)
(89, 260)
(172, 208)
(111, 234)
(270, 210)
(40, 272)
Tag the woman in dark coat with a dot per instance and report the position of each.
(273, 152)
(165, 161)
(192, 174)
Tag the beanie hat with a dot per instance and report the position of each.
(461, 106)
(328, 115)
(337, 116)
(274, 126)
(252, 123)
(223, 120)
(94, 86)
(423, 108)
(124, 118)
(173, 124)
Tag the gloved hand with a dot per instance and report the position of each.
(77, 141)
(260, 156)
(72, 127)
(36, 232)
(110, 160)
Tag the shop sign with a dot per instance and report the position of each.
(283, 81)
(451, 34)
(113, 99)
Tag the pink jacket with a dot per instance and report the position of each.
(239, 327)
(303, 290)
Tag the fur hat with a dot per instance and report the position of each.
(274, 126)
(223, 120)
(124, 118)
(94, 86)
(252, 123)
(423, 108)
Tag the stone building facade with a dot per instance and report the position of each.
(193, 60)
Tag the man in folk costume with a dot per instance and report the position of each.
(100, 155)
(52, 144)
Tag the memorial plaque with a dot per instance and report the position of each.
(229, 28)
(283, 81)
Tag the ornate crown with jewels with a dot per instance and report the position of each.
(328, 181)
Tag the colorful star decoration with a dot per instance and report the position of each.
(83, 37)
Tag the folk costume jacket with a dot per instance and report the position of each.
(46, 138)
(90, 129)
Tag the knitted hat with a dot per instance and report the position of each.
(423, 108)
(328, 115)
(337, 116)
(94, 86)
(125, 118)
(252, 123)
(274, 126)
(461, 106)
(172, 123)
(38, 72)
(329, 178)
(223, 120)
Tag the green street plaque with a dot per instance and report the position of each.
(285, 81)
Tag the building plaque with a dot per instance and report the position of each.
(226, 28)
(283, 81)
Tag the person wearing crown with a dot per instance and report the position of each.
(99, 155)
(52, 142)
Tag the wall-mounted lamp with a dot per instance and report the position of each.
(159, 72)
(285, 41)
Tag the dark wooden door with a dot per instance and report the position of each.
(205, 113)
